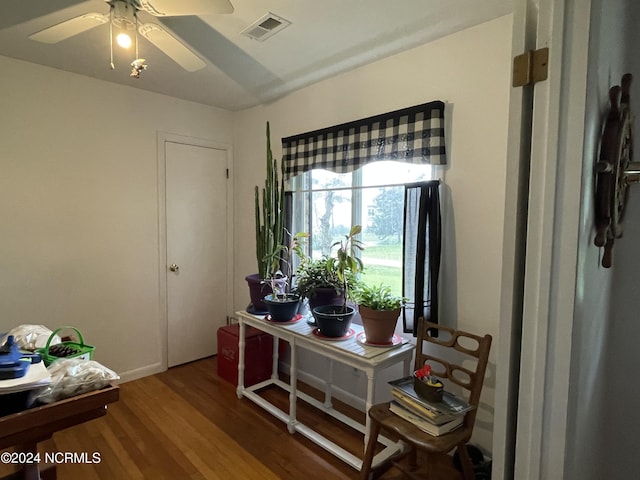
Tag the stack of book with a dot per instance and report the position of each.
(433, 418)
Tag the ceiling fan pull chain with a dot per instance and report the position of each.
(137, 56)
(111, 36)
(137, 66)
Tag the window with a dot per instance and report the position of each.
(327, 204)
(357, 173)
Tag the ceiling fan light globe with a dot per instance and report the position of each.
(123, 40)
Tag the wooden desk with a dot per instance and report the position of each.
(26, 428)
(370, 360)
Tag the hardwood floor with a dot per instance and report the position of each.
(187, 423)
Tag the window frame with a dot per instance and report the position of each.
(302, 184)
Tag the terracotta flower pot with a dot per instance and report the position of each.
(379, 325)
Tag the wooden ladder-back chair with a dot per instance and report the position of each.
(454, 346)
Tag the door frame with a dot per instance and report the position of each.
(539, 281)
(162, 139)
(553, 243)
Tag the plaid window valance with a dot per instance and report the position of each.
(411, 135)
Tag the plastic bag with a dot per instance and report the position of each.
(30, 337)
(74, 376)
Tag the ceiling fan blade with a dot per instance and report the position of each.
(69, 28)
(171, 8)
(172, 47)
(27, 11)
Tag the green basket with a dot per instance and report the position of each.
(81, 350)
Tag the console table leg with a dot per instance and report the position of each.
(407, 366)
(328, 386)
(241, 345)
(274, 365)
(293, 390)
(371, 383)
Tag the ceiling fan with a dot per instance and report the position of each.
(123, 18)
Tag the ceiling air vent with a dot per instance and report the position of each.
(265, 27)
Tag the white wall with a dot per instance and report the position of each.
(622, 356)
(79, 206)
(470, 71)
(604, 377)
(602, 423)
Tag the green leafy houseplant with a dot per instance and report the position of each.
(379, 309)
(342, 270)
(338, 272)
(377, 297)
(279, 281)
(313, 274)
(282, 304)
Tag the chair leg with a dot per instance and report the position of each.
(413, 457)
(365, 470)
(465, 463)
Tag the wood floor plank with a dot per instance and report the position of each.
(188, 424)
(273, 442)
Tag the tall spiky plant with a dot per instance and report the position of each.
(269, 223)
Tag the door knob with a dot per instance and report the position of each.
(173, 267)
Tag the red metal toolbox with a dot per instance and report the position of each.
(258, 355)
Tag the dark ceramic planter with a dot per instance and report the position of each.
(282, 309)
(325, 296)
(333, 320)
(257, 291)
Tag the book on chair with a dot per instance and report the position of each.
(409, 403)
(424, 424)
(437, 413)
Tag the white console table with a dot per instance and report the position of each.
(368, 359)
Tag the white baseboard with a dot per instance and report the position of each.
(319, 384)
(141, 372)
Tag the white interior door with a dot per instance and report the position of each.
(196, 224)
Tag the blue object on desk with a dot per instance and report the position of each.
(13, 362)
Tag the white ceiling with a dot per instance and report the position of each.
(326, 37)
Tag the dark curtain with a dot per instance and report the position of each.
(286, 260)
(421, 253)
(288, 217)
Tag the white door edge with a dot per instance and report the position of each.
(511, 295)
